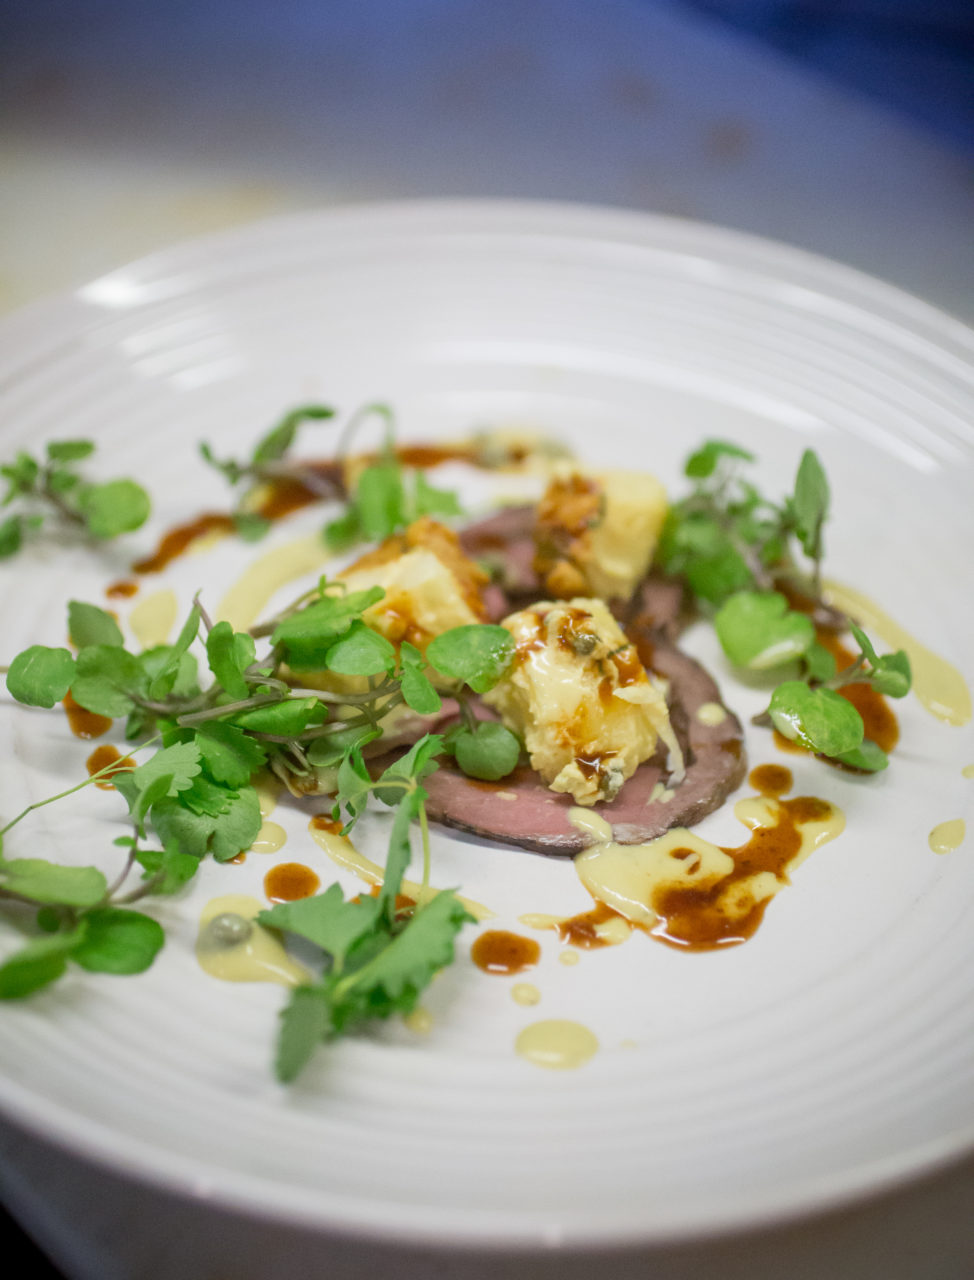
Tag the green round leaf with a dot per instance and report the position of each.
(868, 757)
(490, 752)
(757, 630)
(113, 508)
(118, 941)
(818, 719)
(477, 654)
(40, 676)
(361, 652)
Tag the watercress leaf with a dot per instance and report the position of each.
(892, 674)
(818, 719)
(38, 964)
(327, 920)
(361, 652)
(488, 752)
(309, 634)
(810, 503)
(430, 501)
(228, 754)
(864, 643)
(417, 763)
(418, 692)
(21, 476)
(69, 450)
(40, 676)
(11, 536)
(229, 654)
(184, 680)
(285, 719)
(399, 854)
(88, 625)
(168, 868)
(107, 679)
(478, 654)
(162, 684)
(868, 757)
(326, 752)
(713, 578)
(118, 506)
(50, 883)
(757, 630)
(118, 940)
(275, 444)
(344, 531)
(703, 462)
(819, 663)
(305, 1021)
(380, 500)
(354, 784)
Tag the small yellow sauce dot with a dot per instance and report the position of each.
(525, 993)
(945, 837)
(556, 1044)
(569, 957)
(270, 838)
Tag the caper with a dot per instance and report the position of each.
(583, 642)
(229, 929)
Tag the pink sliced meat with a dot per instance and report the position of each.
(520, 810)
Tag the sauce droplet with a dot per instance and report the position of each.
(968, 771)
(290, 881)
(269, 838)
(101, 758)
(498, 951)
(946, 836)
(230, 945)
(525, 993)
(83, 723)
(420, 1021)
(556, 1044)
(771, 779)
(124, 589)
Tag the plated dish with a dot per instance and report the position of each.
(823, 1058)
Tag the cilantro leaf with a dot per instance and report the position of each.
(228, 753)
(229, 654)
(326, 919)
(305, 1022)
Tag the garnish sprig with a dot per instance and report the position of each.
(53, 485)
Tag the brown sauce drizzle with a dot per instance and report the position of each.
(83, 723)
(180, 538)
(289, 881)
(325, 822)
(691, 919)
(498, 951)
(103, 756)
(124, 589)
(581, 931)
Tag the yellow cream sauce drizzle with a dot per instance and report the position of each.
(627, 877)
(259, 958)
(153, 618)
(556, 1043)
(344, 854)
(247, 598)
(937, 683)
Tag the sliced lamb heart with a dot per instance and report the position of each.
(520, 810)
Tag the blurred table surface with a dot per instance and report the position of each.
(125, 127)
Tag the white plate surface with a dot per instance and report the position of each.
(832, 1054)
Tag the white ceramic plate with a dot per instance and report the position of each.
(830, 1055)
